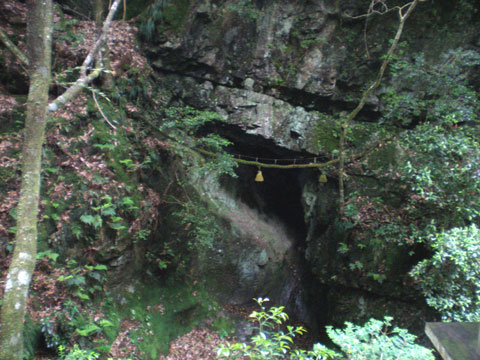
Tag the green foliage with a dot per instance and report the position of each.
(243, 8)
(162, 313)
(66, 32)
(307, 43)
(84, 281)
(370, 341)
(433, 174)
(437, 93)
(77, 354)
(134, 8)
(437, 166)
(327, 133)
(199, 223)
(223, 326)
(200, 226)
(450, 279)
(182, 124)
(374, 341)
(59, 327)
(32, 337)
(48, 254)
(269, 342)
(165, 15)
(73, 324)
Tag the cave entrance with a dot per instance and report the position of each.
(278, 196)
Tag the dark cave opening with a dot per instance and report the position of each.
(279, 197)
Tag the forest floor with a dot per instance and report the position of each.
(48, 295)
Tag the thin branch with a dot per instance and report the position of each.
(386, 61)
(385, 10)
(84, 79)
(101, 111)
(67, 8)
(13, 48)
(351, 116)
(101, 39)
(73, 91)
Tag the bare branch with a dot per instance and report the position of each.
(384, 9)
(386, 61)
(101, 111)
(13, 48)
(101, 39)
(351, 116)
(73, 91)
(84, 79)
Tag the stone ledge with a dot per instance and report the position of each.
(455, 341)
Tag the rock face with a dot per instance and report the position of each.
(280, 73)
(256, 254)
(270, 69)
(273, 43)
(247, 61)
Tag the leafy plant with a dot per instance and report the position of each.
(66, 31)
(373, 340)
(370, 341)
(450, 279)
(199, 224)
(243, 8)
(53, 256)
(269, 342)
(77, 354)
(84, 281)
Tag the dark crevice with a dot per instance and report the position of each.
(194, 70)
(254, 146)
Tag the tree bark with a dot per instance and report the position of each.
(103, 61)
(39, 40)
(39, 49)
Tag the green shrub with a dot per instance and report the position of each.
(77, 354)
(450, 279)
(270, 343)
(374, 341)
(371, 341)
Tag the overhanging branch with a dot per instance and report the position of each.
(13, 48)
(403, 14)
(85, 78)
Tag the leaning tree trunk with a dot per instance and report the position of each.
(39, 35)
(103, 60)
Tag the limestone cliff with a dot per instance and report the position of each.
(281, 73)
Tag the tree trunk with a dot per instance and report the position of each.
(39, 35)
(103, 60)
